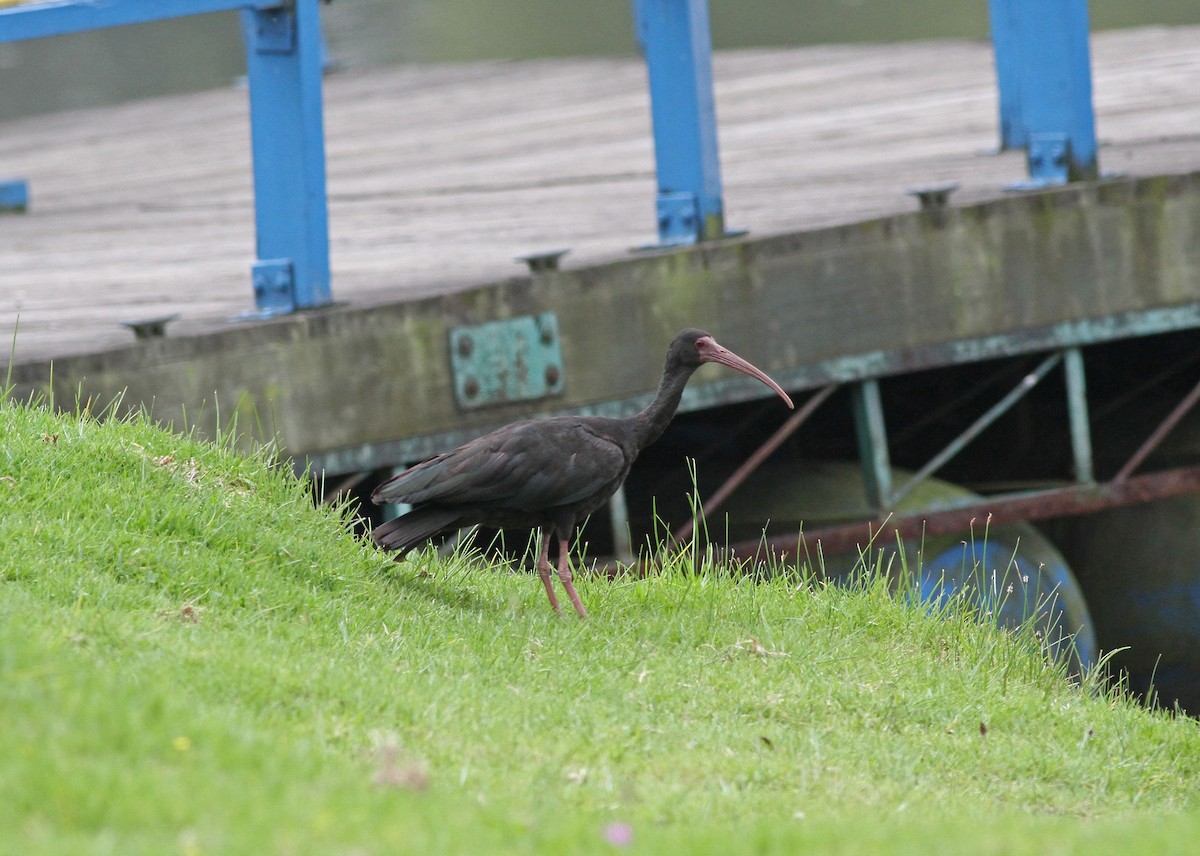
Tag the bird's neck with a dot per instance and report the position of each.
(652, 421)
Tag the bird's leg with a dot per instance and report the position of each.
(544, 567)
(564, 573)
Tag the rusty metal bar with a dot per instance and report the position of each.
(761, 454)
(1059, 502)
(977, 427)
(1159, 434)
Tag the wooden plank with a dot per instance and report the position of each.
(438, 176)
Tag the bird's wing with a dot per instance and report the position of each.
(538, 464)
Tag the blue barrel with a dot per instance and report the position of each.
(1016, 577)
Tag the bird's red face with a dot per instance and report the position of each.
(711, 352)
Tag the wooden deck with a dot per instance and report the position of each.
(439, 176)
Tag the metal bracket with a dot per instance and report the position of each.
(933, 197)
(274, 287)
(274, 31)
(1049, 162)
(150, 328)
(543, 261)
(14, 196)
(678, 218)
(505, 361)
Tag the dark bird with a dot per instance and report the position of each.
(544, 473)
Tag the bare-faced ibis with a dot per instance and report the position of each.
(544, 473)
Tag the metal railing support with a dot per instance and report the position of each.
(675, 38)
(1043, 71)
(284, 57)
(283, 66)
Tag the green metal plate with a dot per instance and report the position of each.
(505, 361)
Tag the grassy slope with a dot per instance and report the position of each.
(193, 659)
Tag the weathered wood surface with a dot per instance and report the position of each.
(438, 176)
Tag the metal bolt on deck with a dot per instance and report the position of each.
(150, 328)
(543, 261)
(933, 196)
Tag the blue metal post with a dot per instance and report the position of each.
(283, 67)
(1006, 49)
(1043, 71)
(675, 38)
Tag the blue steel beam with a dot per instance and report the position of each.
(283, 66)
(61, 17)
(675, 38)
(1043, 72)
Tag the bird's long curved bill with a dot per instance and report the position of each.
(711, 352)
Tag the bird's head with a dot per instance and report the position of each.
(695, 347)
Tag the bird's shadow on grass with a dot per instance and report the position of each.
(411, 578)
(447, 581)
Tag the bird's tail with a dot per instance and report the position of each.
(413, 528)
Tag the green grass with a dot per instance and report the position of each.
(195, 660)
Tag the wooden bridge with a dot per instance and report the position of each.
(439, 176)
